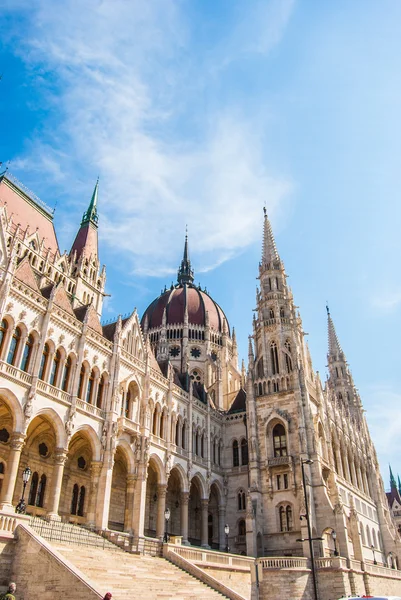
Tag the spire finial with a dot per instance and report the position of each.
(185, 273)
(334, 345)
(392, 479)
(91, 214)
(327, 308)
(269, 251)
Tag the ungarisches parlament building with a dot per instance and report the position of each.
(122, 420)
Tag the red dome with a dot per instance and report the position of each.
(175, 300)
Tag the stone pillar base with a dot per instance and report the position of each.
(53, 517)
(7, 507)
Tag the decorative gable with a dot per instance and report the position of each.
(24, 272)
(61, 299)
(93, 320)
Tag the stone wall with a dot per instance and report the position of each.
(41, 572)
(286, 584)
(237, 580)
(385, 586)
(7, 547)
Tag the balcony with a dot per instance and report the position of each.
(90, 409)
(13, 374)
(126, 424)
(279, 461)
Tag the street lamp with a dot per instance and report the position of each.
(334, 536)
(308, 461)
(227, 531)
(21, 506)
(167, 518)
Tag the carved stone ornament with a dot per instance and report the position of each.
(9, 306)
(22, 315)
(61, 338)
(50, 332)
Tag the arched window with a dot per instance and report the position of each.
(154, 427)
(219, 455)
(260, 369)
(241, 500)
(99, 399)
(202, 448)
(183, 435)
(43, 362)
(162, 421)
(66, 375)
(27, 353)
(40, 496)
(288, 357)
(55, 368)
(235, 454)
(260, 390)
(177, 432)
(271, 314)
(81, 501)
(362, 534)
(3, 335)
(279, 441)
(12, 351)
(274, 358)
(89, 388)
(74, 500)
(33, 489)
(369, 539)
(214, 451)
(374, 538)
(81, 384)
(285, 514)
(244, 452)
(241, 527)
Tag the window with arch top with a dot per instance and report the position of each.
(3, 332)
(279, 440)
(15, 340)
(244, 451)
(235, 454)
(274, 358)
(285, 514)
(43, 361)
(27, 353)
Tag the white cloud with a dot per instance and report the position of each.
(387, 300)
(118, 79)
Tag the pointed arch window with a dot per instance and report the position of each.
(241, 500)
(241, 528)
(40, 496)
(274, 358)
(66, 375)
(33, 489)
(55, 368)
(81, 384)
(288, 356)
(235, 454)
(285, 515)
(3, 335)
(260, 367)
(183, 435)
(15, 341)
(279, 441)
(27, 353)
(89, 388)
(74, 499)
(43, 362)
(244, 452)
(81, 501)
(271, 313)
(100, 390)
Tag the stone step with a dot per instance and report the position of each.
(128, 576)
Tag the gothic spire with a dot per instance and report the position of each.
(335, 349)
(399, 484)
(90, 215)
(185, 273)
(269, 250)
(86, 242)
(392, 479)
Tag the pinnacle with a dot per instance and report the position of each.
(185, 272)
(269, 251)
(334, 345)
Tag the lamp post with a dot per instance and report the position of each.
(308, 461)
(334, 537)
(167, 518)
(21, 506)
(227, 531)
(374, 557)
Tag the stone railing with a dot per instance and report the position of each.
(53, 392)
(127, 425)
(212, 557)
(334, 562)
(283, 563)
(12, 373)
(9, 522)
(90, 409)
(382, 571)
(172, 553)
(275, 461)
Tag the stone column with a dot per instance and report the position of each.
(339, 462)
(104, 491)
(184, 517)
(222, 523)
(353, 472)
(96, 467)
(57, 479)
(131, 482)
(17, 442)
(139, 503)
(204, 525)
(161, 507)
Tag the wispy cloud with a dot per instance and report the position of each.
(117, 97)
(387, 300)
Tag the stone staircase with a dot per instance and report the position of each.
(130, 576)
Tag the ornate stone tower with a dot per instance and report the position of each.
(84, 256)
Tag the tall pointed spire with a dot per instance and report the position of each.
(90, 215)
(86, 238)
(269, 251)
(185, 272)
(392, 479)
(399, 484)
(335, 349)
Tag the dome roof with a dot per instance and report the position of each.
(185, 296)
(182, 296)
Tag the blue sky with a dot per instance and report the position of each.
(199, 112)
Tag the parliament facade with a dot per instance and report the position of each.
(121, 421)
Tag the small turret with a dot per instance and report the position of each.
(185, 272)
